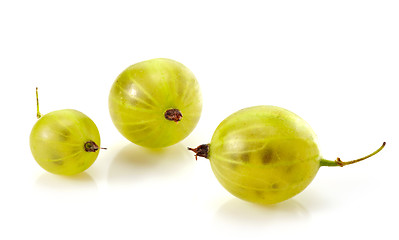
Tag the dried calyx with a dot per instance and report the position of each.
(91, 146)
(173, 114)
(200, 151)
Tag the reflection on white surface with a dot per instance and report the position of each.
(134, 164)
(81, 182)
(241, 212)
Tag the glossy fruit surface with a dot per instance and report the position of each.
(142, 96)
(65, 142)
(264, 154)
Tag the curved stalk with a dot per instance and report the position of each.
(340, 163)
(38, 114)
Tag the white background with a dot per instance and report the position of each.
(334, 63)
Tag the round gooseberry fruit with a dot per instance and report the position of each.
(265, 154)
(64, 142)
(155, 103)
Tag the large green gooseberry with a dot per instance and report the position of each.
(265, 154)
(155, 103)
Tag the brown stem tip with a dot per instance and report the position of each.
(200, 151)
(173, 115)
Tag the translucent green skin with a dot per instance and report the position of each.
(264, 154)
(143, 92)
(57, 142)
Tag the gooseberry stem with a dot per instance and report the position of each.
(340, 163)
(38, 114)
(200, 151)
